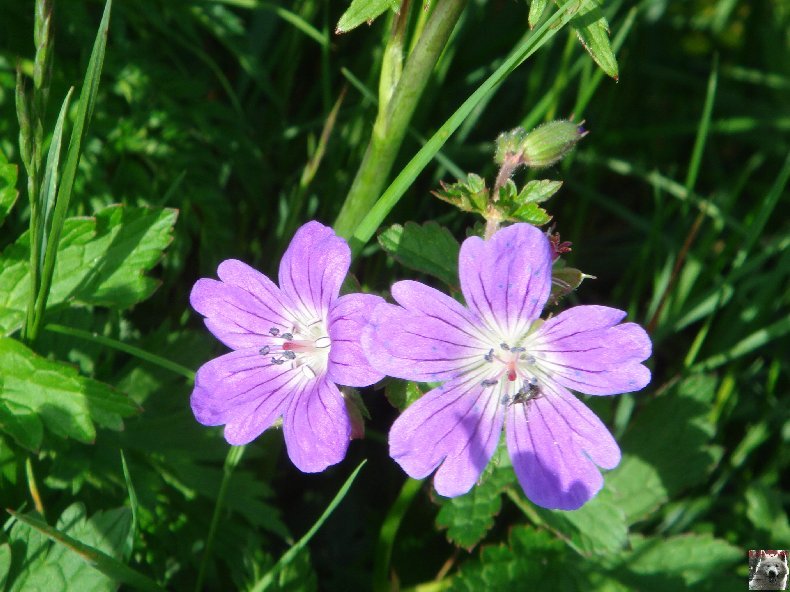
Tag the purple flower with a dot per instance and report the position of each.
(292, 346)
(501, 364)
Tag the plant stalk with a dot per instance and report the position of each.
(393, 118)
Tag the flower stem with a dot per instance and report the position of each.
(394, 116)
(509, 166)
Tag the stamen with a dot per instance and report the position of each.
(287, 336)
(490, 382)
(504, 346)
(289, 355)
(264, 350)
(274, 331)
(277, 361)
(518, 349)
(489, 357)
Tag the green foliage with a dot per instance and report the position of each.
(37, 393)
(511, 205)
(469, 517)
(363, 11)
(598, 528)
(667, 449)
(101, 262)
(698, 561)
(216, 108)
(531, 559)
(401, 393)
(427, 248)
(85, 553)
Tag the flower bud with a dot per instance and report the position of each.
(508, 143)
(550, 142)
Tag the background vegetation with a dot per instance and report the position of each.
(223, 111)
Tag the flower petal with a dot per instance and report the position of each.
(241, 308)
(554, 443)
(586, 350)
(456, 428)
(347, 318)
(317, 427)
(244, 391)
(313, 268)
(416, 346)
(506, 280)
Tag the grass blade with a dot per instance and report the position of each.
(406, 177)
(106, 564)
(288, 556)
(90, 89)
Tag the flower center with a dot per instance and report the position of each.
(513, 372)
(305, 347)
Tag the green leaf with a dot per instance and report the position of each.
(29, 568)
(597, 528)
(677, 563)
(469, 517)
(5, 564)
(531, 213)
(470, 195)
(101, 261)
(21, 423)
(593, 32)
(401, 393)
(94, 531)
(105, 531)
(538, 191)
(666, 448)
(8, 192)
(533, 560)
(429, 248)
(66, 403)
(362, 11)
(536, 10)
(764, 510)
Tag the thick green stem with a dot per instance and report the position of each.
(394, 118)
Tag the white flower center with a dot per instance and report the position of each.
(513, 371)
(306, 347)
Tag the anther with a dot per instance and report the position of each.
(516, 350)
(489, 382)
(489, 357)
(277, 361)
(289, 355)
(264, 350)
(287, 336)
(274, 331)
(504, 346)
